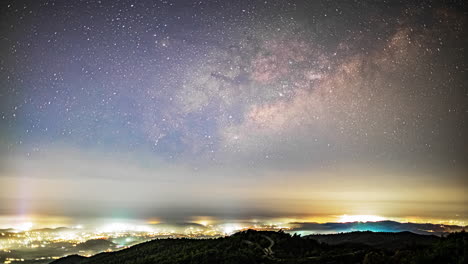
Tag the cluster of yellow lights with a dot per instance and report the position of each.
(25, 236)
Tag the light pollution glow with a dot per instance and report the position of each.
(26, 223)
(41, 239)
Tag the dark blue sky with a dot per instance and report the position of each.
(281, 91)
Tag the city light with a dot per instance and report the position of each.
(360, 218)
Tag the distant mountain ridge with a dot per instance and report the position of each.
(382, 240)
(378, 226)
(336, 227)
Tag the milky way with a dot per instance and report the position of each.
(264, 85)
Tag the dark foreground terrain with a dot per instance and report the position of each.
(278, 247)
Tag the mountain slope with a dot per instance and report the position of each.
(377, 239)
(277, 247)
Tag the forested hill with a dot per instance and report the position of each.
(278, 247)
(384, 240)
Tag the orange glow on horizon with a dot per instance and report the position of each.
(25, 223)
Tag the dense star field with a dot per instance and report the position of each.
(174, 109)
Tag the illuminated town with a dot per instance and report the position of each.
(31, 242)
(44, 245)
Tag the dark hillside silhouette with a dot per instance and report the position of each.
(278, 247)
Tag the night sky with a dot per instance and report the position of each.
(234, 109)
